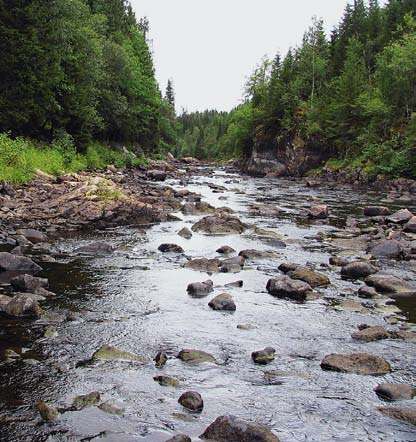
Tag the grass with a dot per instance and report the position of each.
(20, 158)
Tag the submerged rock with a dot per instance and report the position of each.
(195, 356)
(10, 262)
(367, 292)
(111, 407)
(223, 302)
(180, 438)
(286, 287)
(358, 269)
(395, 392)
(166, 381)
(192, 401)
(108, 352)
(4, 300)
(234, 429)
(219, 225)
(358, 363)
(264, 357)
(204, 265)
(98, 248)
(407, 415)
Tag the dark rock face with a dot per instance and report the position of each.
(376, 211)
(98, 248)
(358, 363)
(192, 401)
(263, 357)
(223, 302)
(386, 248)
(9, 262)
(395, 392)
(286, 287)
(170, 248)
(358, 270)
(200, 288)
(233, 429)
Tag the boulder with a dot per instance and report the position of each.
(185, 233)
(388, 248)
(368, 334)
(407, 415)
(9, 262)
(318, 212)
(219, 225)
(225, 250)
(34, 236)
(195, 356)
(257, 254)
(358, 363)
(157, 175)
(204, 265)
(358, 269)
(110, 353)
(23, 306)
(28, 283)
(338, 261)
(170, 248)
(400, 217)
(288, 267)
(197, 208)
(47, 411)
(286, 287)
(410, 226)
(192, 400)
(376, 211)
(200, 288)
(395, 392)
(180, 438)
(223, 302)
(97, 248)
(263, 357)
(234, 429)
(367, 292)
(389, 284)
(314, 279)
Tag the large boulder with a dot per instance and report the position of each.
(410, 226)
(225, 250)
(110, 353)
(34, 236)
(258, 254)
(400, 217)
(204, 265)
(286, 287)
(358, 270)
(97, 248)
(395, 392)
(234, 429)
(314, 279)
(10, 263)
(376, 211)
(219, 225)
(223, 302)
(389, 284)
(358, 363)
(23, 306)
(388, 248)
(195, 356)
(192, 401)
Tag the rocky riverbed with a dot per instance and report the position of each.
(186, 301)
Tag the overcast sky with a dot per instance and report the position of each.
(209, 47)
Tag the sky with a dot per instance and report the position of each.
(209, 47)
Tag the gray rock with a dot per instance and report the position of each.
(200, 288)
(410, 226)
(395, 392)
(234, 429)
(358, 363)
(389, 248)
(28, 283)
(225, 250)
(235, 284)
(358, 269)
(223, 302)
(318, 212)
(111, 407)
(368, 334)
(9, 262)
(287, 267)
(47, 411)
(192, 401)
(204, 265)
(157, 175)
(400, 217)
(170, 248)
(286, 287)
(185, 233)
(166, 381)
(256, 254)
(4, 300)
(263, 357)
(389, 284)
(34, 236)
(86, 400)
(367, 292)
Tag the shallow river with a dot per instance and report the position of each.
(136, 300)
